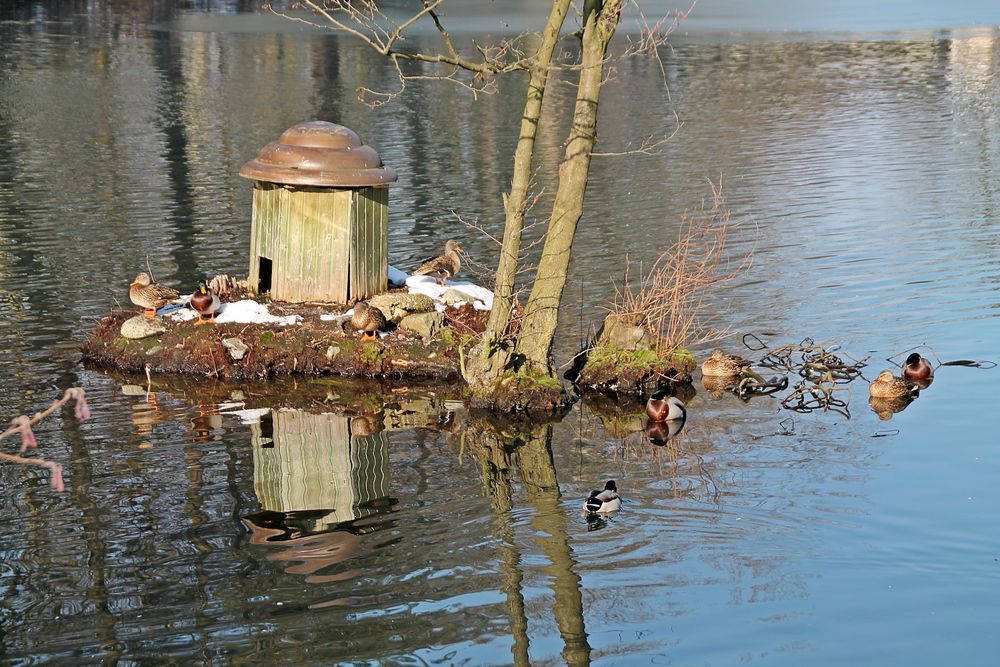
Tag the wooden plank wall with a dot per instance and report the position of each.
(266, 200)
(325, 245)
(369, 245)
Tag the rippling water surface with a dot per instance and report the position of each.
(322, 522)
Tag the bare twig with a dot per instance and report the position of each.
(671, 295)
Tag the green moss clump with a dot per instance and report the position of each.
(609, 367)
(526, 378)
(372, 354)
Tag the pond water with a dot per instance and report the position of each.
(321, 522)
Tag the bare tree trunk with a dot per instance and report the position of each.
(493, 358)
(542, 310)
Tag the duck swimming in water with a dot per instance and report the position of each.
(607, 500)
(721, 364)
(661, 407)
(917, 368)
(887, 385)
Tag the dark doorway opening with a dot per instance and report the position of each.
(263, 275)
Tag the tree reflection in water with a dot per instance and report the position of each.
(500, 449)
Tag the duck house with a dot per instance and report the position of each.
(320, 216)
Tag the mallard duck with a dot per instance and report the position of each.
(149, 295)
(721, 364)
(661, 407)
(604, 501)
(367, 319)
(443, 266)
(917, 368)
(205, 302)
(887, 385)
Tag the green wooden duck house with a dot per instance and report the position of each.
(320, 216)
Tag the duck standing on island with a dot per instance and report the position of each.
(149, 295)
(205, 302)
(443, 266)
(367, 319)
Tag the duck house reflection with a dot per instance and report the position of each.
(306, 462)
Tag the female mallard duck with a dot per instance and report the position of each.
(887, 385)
(721, 364)
(604, 501)
(367, 319)
(443, 266)
(917, 369)
(661, 407)
(149, 295)
(205, 302)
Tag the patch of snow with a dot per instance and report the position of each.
(246, 311)
(428, 285)
(397, 277)
(329, 317)
(183, 315)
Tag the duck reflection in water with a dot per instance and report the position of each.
(660, 433)
(715, 386)
(886, 407)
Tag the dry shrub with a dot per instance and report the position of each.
(670, 296)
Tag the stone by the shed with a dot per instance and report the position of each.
(154, 350)
(452, 296)
(237, 348)
(141, 327)
(332, 352)
(426, 325)
(395, 306)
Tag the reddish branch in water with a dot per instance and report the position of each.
(23, 426)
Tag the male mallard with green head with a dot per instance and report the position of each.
(721, 364)
(661, 407)
(887, 385)
(205, 302)
(367, 319)
(149, 295)
(917, 368)
(443, 266)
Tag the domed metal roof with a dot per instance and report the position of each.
(319, 153)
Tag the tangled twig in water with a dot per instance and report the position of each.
(823, 373)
